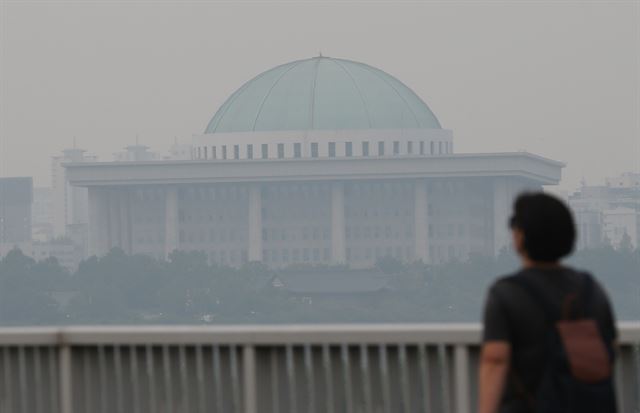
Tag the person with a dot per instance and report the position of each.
(515, 355)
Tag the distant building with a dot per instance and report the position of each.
(316, 161)
(42, 214)
(135, 153)
(607, 214)
(180, 152)
(16, 195)
(62, 249)
(70, 204)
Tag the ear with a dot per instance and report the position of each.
(518, 241)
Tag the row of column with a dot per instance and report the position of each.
(110, 220)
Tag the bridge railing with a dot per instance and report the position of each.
(257, 369)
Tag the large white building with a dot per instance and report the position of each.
(608, 214)
(315, 161)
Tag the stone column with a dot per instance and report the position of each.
(98, 219)
(171, 223)
(255, 223)
(421, 222)
(114, 226)
(502, 199)
(338, 242)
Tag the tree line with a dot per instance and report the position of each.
(186, 289)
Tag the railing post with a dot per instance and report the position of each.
(66, 393)
(249, 371)
(462, 390)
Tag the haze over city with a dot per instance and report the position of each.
(322, 206)
(556, 79)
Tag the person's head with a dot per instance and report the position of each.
(543, 228)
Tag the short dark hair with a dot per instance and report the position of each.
(547, 225)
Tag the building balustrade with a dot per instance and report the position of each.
(256, 369)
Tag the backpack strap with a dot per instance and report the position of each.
(552, 313)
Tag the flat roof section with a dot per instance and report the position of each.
(519, 164)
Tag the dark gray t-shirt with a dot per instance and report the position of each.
(512, 315)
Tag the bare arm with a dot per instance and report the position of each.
(494, 365)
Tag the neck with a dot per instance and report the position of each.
(529, 263)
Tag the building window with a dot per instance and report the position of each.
(314, 150)
(365, 148)
(396, 147)
(224, 151)
(297, 150)
(410, 148)
(281, 150)
(381, 148)
(213, 152)
(249, 151)
(332, 149)
(439, 148)
(422, 148)
(431, 148)
(265, 151)
(348, 149)
(236, 151)
(199, 152)
(205, 152)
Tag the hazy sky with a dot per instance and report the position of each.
(560, 79)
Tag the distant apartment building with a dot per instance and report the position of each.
(180, 152)
(135, 153)
(608, 214)
(16, 195)
(318, 161)
(64, 250)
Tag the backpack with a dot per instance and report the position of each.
(578, 376)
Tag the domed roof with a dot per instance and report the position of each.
(322, 93)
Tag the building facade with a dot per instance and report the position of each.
(16, 196)
(69, 203)
(316, 161)
(608, 214)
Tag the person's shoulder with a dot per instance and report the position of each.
(504, 282)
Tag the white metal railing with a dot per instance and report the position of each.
(256, 369)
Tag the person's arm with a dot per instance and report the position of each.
(496, 352)
(494, 365)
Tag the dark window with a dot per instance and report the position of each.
(365, 148)
(314, 150)
(410, 148)
(381, 148)
(199, 153)
(265, 151)
(236, 151)
(348, 149)
(332, 149)
(422, 148)
(431, 148)
(297, 150)
(213, 152)
(396, 147)
(205, 152)
(224, 151)
(249, 151)
(439, 147)
(281, 150)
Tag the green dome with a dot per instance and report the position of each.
(322, 93)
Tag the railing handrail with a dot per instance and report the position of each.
(436, 333)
